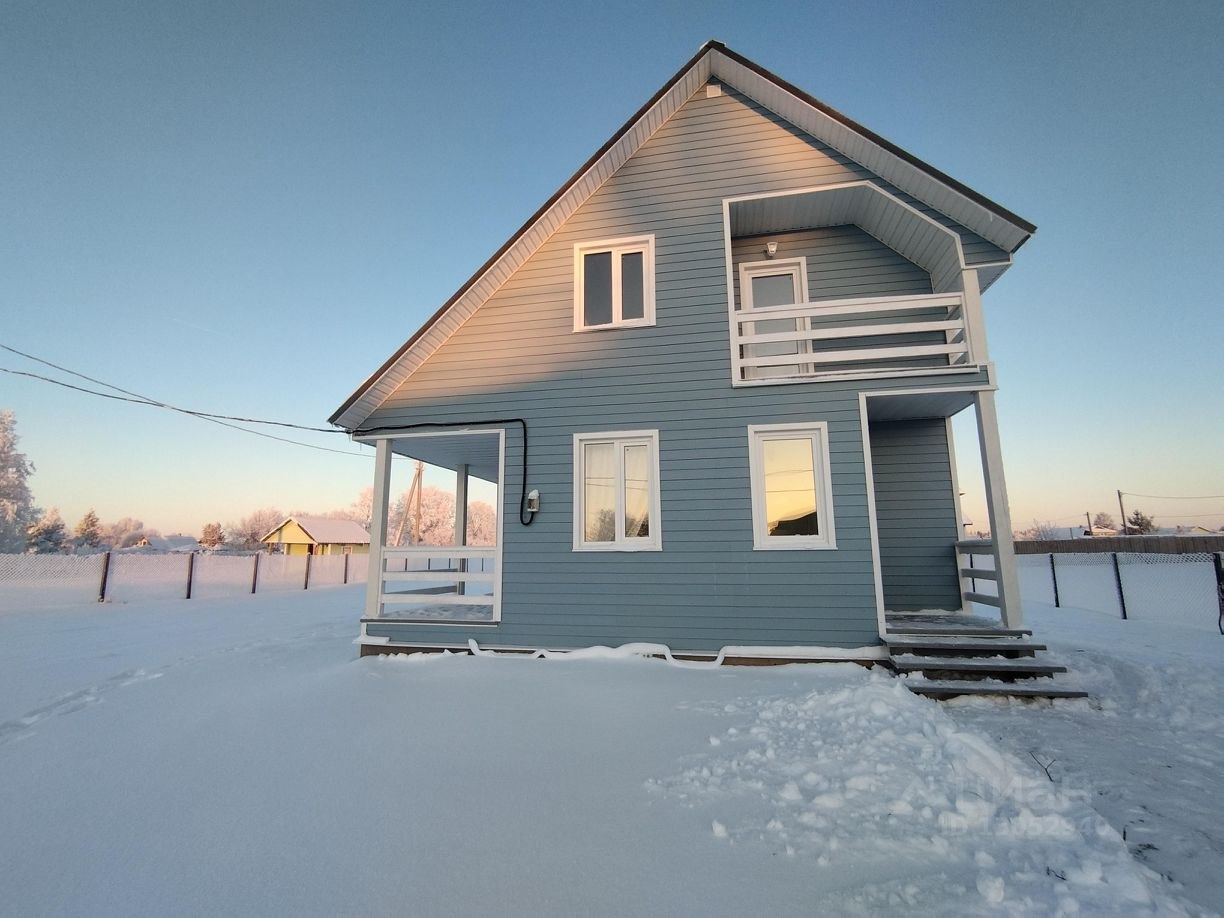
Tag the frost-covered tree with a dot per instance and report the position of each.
(1042, 532)
(1139, 523)
(47, 534)
(212, 535)
(123, 533)
(361, 511)
(88, 532)
(481, 524)
(17, 511)
(1103, 521)
(250, 529)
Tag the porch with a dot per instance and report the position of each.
(914, 506)
(450, 583)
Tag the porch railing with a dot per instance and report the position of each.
(440, 583)
(829, 338)
(972, 572)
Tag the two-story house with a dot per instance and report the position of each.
(712, 378)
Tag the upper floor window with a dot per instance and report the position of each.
(614, 283)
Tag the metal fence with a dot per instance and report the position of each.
(34, 581)
(1182, 589)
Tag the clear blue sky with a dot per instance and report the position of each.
(245, 208)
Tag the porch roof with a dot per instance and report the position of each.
(479, 449)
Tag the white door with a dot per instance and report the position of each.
(766, 284)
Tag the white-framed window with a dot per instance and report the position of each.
(614, 283)
(792, 491)
(616, 491)
(774, 284)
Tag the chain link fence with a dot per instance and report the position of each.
(1180, 589)
(41, 581)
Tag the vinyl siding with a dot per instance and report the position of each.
(519, 357)
(842, 262)
(916, 514)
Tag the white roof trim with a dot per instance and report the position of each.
(712, 61)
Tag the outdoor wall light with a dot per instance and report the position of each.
(771, 249)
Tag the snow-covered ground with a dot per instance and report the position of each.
(233, 756)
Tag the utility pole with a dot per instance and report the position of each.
(1122, 510)
(416, 516)
(413, 492)
(1088, 517)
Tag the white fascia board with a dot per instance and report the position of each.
(882, 162)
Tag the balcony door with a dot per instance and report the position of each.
(774, 284)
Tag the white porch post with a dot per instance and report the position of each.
(996, 505)
(461, 489)
(378, 525)
(975, 319)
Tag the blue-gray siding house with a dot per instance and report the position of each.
(712, 378)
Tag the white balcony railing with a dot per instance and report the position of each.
(880, 336)
(440, 583)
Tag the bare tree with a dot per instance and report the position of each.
(360, 511)
(250, 529)
(1042, 532)
(123, 533)
(1103, 521)
(481, 523)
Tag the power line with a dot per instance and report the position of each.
(146, 399)
(204, 416)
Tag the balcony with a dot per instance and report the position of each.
(855, 338)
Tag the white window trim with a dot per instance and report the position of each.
(622, 438)
(622, 246)
(761, 539)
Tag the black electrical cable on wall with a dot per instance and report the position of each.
(525, 518)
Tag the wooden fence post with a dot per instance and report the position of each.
(306, 580)
(255, 573)
(1118, 581)
(190, 571)
(346, 560)
(1218, 558)
(1054, 578)
(106, 575)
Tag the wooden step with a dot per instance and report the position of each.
(968, 646)
(955, 628)
(1004, 669)
(953, 688)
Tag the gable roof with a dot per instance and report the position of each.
(972, 210)
(325, 530)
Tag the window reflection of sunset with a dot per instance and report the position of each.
(790, 480)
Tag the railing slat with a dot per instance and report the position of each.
(440, 551)
(439, 576)
(853, 331)
(442, 599)
(856, 354)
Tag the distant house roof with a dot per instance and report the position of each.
(174, 543)
(325, 530)
(713, 60)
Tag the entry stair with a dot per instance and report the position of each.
(946, 654)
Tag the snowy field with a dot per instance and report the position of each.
(233, 756)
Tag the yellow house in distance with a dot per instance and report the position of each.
(318, 535)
